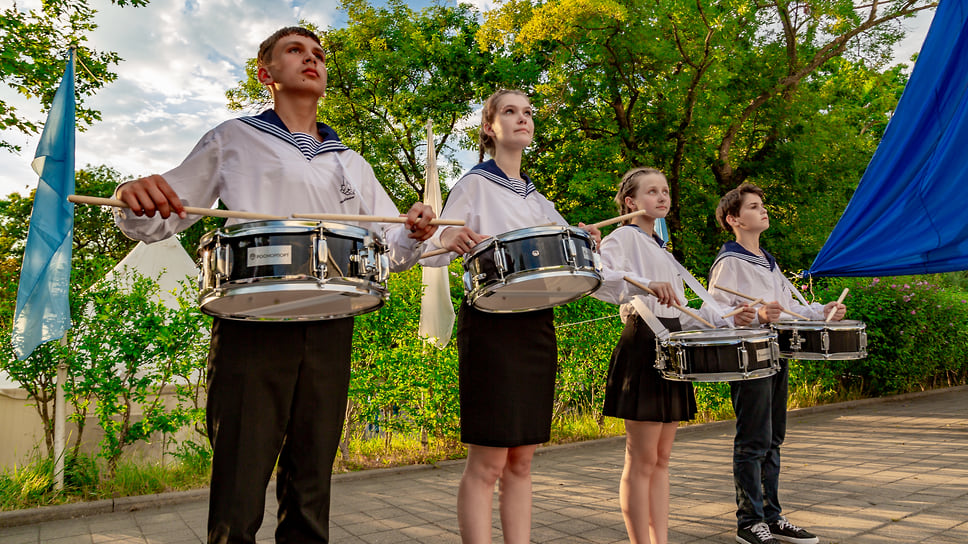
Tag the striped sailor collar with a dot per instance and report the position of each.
(270, 123)
(658, 239)
(734, 249)
(491, 171)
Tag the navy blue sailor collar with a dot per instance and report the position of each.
(734, 249)
(658, 239)
(270, 123)
(490, 170)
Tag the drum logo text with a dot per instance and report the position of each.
(269, 255)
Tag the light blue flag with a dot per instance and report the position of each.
(43, 311)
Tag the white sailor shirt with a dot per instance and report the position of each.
(256, 164)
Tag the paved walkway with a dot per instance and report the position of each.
(866, 472)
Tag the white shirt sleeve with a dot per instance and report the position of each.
(195, 181)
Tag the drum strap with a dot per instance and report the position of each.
(641, 308)
(697, 288)
(789, 285)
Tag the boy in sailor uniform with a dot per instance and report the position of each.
(276, 390)
(760, 404)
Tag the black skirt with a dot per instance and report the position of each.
(508, 364)
(635, 389)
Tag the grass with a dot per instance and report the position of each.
(86, 478)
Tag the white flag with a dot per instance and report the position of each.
(436, 308)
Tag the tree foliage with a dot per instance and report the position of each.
(712, 93)
(33, 49)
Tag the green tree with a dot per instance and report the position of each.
(712, 93)
(33, 48)
(127, 348)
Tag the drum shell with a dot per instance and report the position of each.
(717, 355)
(266, 262)
(822, 340)
(561, 257)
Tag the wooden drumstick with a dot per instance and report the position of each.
(740, 309)
(840, 300)
(207, 212)
(681, 308)
(435, 252)
(747, 297)
(618, 219)
(369, 218)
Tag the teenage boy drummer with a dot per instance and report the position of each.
(760, 404)
(276, 390)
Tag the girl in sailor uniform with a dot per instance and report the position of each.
(635, 391)
(508, 361)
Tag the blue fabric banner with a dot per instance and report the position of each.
(908, 213)
(43, 310)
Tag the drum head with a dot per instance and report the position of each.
(292, 301)
(535, 292)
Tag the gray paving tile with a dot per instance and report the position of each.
(858, 473)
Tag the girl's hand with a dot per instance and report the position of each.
(460, 240)
(664, 292)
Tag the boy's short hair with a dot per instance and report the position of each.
(732, 202)
(265, 49)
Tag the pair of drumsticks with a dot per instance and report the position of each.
(754, 302)
(231, 214)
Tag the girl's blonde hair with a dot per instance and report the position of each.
(487, 116)
(628, 187)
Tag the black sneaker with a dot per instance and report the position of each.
(758, 533)
(788, 532)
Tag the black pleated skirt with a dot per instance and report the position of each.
(635, 389)
(508, 364)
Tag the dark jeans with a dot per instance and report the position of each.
(276, 391)
(760, 406)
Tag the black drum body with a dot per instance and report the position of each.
(531, 269)
(822, 340)
(291, 271)
(718, 355)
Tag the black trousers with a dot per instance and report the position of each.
(276, 391)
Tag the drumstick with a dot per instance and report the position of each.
(840, 300)
(740, 309)
(369, 218)
(681, 308)
(606, 222)
(747, 297)
(208, 212)
(434, 253)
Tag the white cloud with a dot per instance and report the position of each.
(179, 59)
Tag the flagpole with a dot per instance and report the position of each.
(60, 410)
(60, 421)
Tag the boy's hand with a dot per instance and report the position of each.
(419, 217)
(460, 240)
(746, 317)
(839, 314)
(151, 194)
(769, 312)
(664, 292)
(596, 234)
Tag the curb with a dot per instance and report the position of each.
(41, 514)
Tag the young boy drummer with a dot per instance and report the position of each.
(276, 390)
(760, 405)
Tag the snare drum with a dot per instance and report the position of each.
(531, 269)
(291, 270)
(822, 340)
(718, 355)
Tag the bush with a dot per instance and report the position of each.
(917, 335)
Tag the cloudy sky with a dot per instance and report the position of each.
(180, 56)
